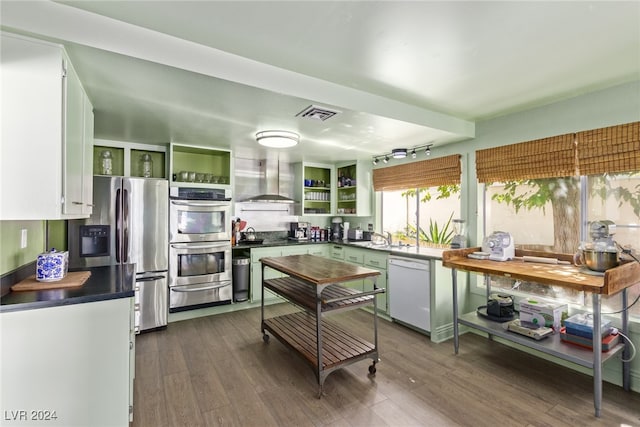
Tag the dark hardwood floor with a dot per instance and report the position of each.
(217, 370)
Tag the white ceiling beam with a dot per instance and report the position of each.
(70, 24)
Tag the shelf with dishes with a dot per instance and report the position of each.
(315, 189)
(200, 166)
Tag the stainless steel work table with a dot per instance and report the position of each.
(313, 284)
(615, 280)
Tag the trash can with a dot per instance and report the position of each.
(240, 272)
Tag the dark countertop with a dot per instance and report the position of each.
(404, 251)
(105, 283)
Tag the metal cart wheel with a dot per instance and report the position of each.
(372, 368)
(265, 338)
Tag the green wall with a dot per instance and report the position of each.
(11, 255)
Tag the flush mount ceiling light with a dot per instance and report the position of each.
(399, 153)
(277, 138)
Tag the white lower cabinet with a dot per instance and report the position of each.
(68, 365)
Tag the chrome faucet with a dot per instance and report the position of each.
(388, 238)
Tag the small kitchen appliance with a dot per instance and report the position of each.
(459, 239)
(299, 231)
(499, 308)
(336, 228)
(601, 253)
(499, 245)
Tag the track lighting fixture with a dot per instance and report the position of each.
(401, 153)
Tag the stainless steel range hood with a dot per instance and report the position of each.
(269, 184)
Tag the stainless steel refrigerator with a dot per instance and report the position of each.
(129, 225)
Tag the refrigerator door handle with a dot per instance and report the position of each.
(118, 226)
(125, 223)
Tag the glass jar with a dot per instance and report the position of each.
(106, 163)
(146, 166)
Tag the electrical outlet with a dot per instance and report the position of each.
(23, 238)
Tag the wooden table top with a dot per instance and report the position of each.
(613, 281)
(318, 270)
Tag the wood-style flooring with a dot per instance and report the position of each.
(217, 371)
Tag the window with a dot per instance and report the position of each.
(545, 214)
(423, 216)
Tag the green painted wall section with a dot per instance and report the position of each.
(58, 235)
(12, 256)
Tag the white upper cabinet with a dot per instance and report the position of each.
(47, 134)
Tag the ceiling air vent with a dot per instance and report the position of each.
(317, 113)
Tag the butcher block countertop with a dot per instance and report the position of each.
(613, 281)
(318, 270)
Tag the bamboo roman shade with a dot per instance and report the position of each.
(426, 173)
(609, 150)
(540, 158)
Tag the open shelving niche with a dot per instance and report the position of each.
(214, 162)
(125, 157)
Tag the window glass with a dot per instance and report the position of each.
(617, 198)
(431, 221)
(540, 214)
(545, 214)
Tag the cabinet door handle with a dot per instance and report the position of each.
(77, 203)
(91, 205)
(374, 262)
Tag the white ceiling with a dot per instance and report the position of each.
(401, 73)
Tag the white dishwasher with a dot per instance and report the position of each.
(409, 290)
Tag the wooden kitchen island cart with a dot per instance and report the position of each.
(313, 284)
(613, 281)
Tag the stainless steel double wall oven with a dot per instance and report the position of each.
(199, 248)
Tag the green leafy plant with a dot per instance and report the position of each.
(437, 234)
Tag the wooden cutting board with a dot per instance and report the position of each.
(73, 279)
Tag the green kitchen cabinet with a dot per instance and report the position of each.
(47, 134)
(354, 256)
(377, 260)
(314, 188)
(353, 188)
(256, 273)
(321, 249)
(336, 251)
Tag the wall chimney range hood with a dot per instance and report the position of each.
(271, 185)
